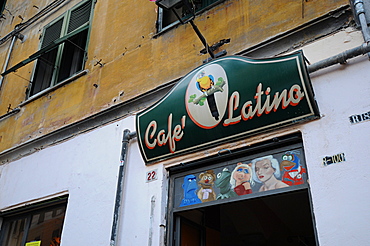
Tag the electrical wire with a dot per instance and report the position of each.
(20, 27)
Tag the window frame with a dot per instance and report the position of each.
(60, 44)
(2, 6)
(160, 16)
(27, 212)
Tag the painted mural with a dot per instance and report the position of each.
(252, 176)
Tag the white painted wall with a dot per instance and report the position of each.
(87, 167)
(339, 191)
(144, 203)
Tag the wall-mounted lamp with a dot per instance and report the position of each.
(171, 5)
(168, 4)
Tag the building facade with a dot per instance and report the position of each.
(101, 144)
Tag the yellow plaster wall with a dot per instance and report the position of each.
(123, 38)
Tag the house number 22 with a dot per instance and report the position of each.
(151, 175)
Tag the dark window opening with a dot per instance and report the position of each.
(69, 35)
(2, 6)
(44, 71)
(40, 222)
(168, 17)
(73, 56)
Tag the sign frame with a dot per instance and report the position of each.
(181, 123)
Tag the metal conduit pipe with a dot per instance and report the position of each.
(340, 58)
(360, 12)
(127, 136)
(20, 27)
(7, 59)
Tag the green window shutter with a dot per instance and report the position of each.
(52, 33)
(2, 6)
(79, 16)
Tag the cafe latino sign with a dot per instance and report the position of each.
(224, 100)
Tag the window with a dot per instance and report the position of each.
(256, 196)
(42, 222)
(2, 6)
(167, 18)
(63, 48)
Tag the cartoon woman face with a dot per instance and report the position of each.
(241, 175)
(264, 170)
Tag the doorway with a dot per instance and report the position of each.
(279, 219)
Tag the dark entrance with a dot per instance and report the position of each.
(282, 219)
(257, 196)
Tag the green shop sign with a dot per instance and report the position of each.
(224, 100)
